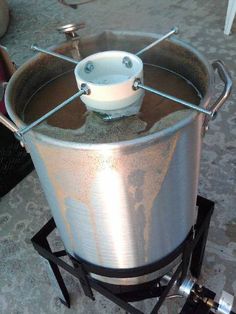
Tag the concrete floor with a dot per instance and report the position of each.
(24, 284)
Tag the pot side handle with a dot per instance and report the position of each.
(8, 123)
(225, 76)
(12, 127)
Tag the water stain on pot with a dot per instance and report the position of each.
(74, 122)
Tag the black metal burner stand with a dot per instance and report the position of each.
(190, 252)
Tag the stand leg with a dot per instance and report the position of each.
(185, 262)
(81, 270)
(83, 279)
(205, 207)
(57, 280)
(167, 289)
(40, 244)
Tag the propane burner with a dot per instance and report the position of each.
(199, 299)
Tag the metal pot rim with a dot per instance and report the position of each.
(159, 135)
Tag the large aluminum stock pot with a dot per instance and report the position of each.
(121, 204)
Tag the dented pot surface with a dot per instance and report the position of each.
(123, 204)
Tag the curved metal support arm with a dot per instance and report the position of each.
(225, 77)
(54, 54)
(137, 84)
(21, 132)
(174, 30)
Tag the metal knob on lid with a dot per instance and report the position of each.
(70, 29)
